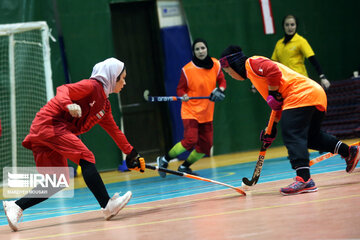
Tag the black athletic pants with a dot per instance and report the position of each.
(301, 131)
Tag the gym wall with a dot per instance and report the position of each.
(330, 26)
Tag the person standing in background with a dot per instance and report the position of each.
(199, 77)
(292, 49)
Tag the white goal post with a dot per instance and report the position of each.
(25, 86)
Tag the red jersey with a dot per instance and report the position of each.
(54, 118)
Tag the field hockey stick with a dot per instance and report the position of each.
(327, 155)
(166, 98)
(260, 161)
(182, 174)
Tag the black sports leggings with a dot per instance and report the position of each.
(92, 179)
(94, 182)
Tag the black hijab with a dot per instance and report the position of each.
(207, 63)
(236, 59)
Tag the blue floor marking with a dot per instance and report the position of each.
(156, 188)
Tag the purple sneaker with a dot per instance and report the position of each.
(299, 186)
(353, 158)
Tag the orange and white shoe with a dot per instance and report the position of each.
(13, 213)
(115, 204)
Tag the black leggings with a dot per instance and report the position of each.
(94, 182)
(92, 179)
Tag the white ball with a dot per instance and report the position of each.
(244, 186)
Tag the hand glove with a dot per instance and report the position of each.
(324, 82)
(135, 162)
(74, 110)
(217, 95)
(268, 139)
(185, 98)
(274, 100)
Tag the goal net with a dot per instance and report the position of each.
(25, 86)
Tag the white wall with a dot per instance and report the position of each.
(170, 13)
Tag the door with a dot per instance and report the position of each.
(136, 37)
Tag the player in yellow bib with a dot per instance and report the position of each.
(292, 49)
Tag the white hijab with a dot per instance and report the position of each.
(106, 72)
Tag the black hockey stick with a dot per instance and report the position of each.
(260, 161)
(182, 174)
(166, 98)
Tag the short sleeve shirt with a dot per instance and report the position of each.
(293, 53)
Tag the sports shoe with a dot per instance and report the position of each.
(13, 213)
(161, 162)
(353, 158)
(299, 186)
(187, 170)
(115, 204)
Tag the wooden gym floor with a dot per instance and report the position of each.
(182, 208)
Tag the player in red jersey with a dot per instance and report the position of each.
(75, 109)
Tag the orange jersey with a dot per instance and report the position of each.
(296, 89)
(200, 82)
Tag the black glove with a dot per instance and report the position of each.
(217, 95)
(268, 139)
(135, 162)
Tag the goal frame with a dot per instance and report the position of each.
(9, 30)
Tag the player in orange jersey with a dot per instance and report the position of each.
(300, 103)
(199, 77)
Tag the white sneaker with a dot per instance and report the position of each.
(115, 204)
(13, 213)
(162, 162)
